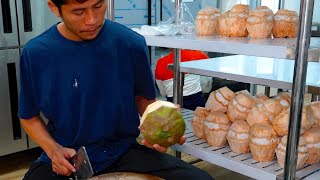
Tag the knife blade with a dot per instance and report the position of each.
(82, 164)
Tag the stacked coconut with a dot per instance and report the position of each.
(240, 21)
(257, 124)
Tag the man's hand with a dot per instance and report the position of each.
(161, 148)
(37, 130)
(59, 156)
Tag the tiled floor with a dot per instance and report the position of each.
(218, 172)
(14, 166)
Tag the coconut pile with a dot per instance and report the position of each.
(257, 124)
(241, 21)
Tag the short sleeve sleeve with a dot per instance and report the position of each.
(143, 80)
(28, 107)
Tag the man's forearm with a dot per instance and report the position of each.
(37, 130)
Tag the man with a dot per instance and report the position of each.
(90, 78)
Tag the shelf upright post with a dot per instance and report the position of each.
(177, 78)
(253, 89)
(281, 4)
(298, 87)
(177, 89)
(258, 3)
(219, 4)
(254, 3)
(110, 9)
(177, 96)
(267, 91)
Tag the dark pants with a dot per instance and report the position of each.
(138, 159)
(192, 102)
(233, 85)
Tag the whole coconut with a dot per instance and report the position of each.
(162, 123)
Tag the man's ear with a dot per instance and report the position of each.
(54, 8)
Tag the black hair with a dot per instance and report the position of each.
(59, 3)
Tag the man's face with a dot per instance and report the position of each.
(83, 21)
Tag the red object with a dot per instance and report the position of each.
(162, 72)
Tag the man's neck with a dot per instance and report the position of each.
(63, 30)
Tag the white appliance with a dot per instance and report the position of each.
(20, 20)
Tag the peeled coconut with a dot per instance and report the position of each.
(162, 123)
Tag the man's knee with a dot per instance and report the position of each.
(190, 172)
(40, 171)
(201, 174)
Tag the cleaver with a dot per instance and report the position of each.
(82, 164)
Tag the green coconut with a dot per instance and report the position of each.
(162, 123)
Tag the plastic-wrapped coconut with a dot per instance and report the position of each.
(162, 123)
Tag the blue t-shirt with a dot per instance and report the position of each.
(87, 89)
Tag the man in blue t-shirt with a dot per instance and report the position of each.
(91, 79)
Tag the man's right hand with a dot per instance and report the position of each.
(60, 160)
(37, 130)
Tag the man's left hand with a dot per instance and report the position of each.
(161, 148)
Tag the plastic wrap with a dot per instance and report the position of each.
(185, 25)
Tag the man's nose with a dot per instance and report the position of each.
(90, 18)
